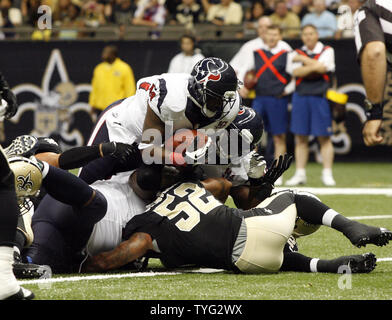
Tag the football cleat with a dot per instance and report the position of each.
(24, 146)
(360, 235)
(361, 263)
(31, 271)
(47, 145)
(22, 294)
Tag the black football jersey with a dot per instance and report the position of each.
(190, 227)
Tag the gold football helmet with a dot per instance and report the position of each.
(303, 228)
(28, 176)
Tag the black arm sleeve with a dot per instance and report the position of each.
(78, 157)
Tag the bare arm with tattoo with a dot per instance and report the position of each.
(127, 251)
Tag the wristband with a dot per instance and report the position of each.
(373, 111)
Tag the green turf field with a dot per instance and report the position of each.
(325, 243)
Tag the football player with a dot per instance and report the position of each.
(187, 226)
(251, 184)
(9, 287)
(208, 98)
(74, 205)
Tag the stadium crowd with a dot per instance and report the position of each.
(333, 18)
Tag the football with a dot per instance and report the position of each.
(184, 138)
(250, 80)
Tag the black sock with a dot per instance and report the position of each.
(20, 240)
(314, 211)
(66, 187)
(294, 261)
(331, 266)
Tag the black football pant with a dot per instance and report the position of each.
(9, 209)
(64, 220)
(61, 232)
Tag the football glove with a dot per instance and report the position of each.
(121, 151)
(278, 167)
(257, 165)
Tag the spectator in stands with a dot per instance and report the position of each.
(29, 9)
(288, 21)
(9, 17)
(60, 14)
(123, 12)
(301, 7)
(323, 20)
(112, 80)
(189, 56)
(149, 13)
(269, 7)
(93, 13)
(253, 14)
(311, 115)
(188, 13)
(345, 19)
(227, 12)
(71, 22)
(171, 8)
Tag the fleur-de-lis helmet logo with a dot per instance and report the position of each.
(24, 182)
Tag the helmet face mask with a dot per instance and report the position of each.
(214, 91)
(242, 135)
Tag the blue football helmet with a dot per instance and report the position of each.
(243, 134)
(213, 87)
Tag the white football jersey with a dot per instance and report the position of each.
(123, 204)
(167, 95)
(235, 173)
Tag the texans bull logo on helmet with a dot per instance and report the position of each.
(209, 69)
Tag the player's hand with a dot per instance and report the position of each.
(370, 132)
(257, 166)
(122, 151)
(278, 167)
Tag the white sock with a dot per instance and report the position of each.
(327, 172)
(8, 282)
(328, 216)
(313, 265)
(45, 170)
(300, 172)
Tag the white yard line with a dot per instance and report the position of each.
(119, 276)
(342, 191)
(385, 216)
(100, 277)
(384, 259)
